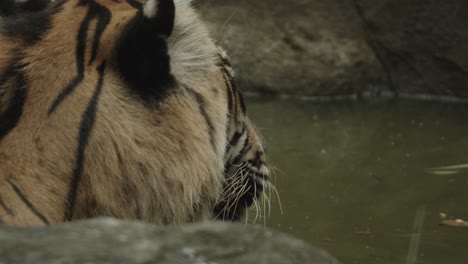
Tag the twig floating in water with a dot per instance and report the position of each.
(457, 223)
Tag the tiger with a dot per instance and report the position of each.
(11, 7)
(124, 109)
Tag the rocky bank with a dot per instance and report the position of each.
(345, 47)
(111, 241)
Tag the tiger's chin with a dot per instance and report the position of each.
(247, 195)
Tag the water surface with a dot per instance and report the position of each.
(353, 177)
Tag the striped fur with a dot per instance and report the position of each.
(120, 108)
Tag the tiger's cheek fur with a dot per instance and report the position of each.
(178, 181)
(90, 127)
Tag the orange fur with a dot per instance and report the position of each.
(151, 161)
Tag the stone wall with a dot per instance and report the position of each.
(344, 47)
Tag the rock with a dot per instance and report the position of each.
(422, 44)
(305, 47)
(343, 47)
(112, 241)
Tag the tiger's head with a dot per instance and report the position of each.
(246, 170)
(121, 108)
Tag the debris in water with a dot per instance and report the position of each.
(448, 170)
(435, 172)
(456, 222)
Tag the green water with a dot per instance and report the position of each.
(353, 177)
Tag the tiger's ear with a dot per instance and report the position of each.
(142, 51)
(162, 14)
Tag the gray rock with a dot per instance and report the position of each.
(111, 241)
(422, 44)
(342, 47)
(304, 47)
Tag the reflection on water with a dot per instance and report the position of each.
(358, 179)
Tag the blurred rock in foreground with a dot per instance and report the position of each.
(112, 241)
(342, 47)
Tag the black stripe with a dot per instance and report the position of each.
(10, 72)
(8, 7)
(5, 207)
(31, 24)
(10, 118)
(225, 61)
(256, 163)
(33, 5)
(235, 139)
(258, 156)
(241, 100)
(86, 127)
(244, 150)
(235, 110)
(229, 91)
(135, 4)
(66, 92)
(104, 17)
(229, 114)
(163, 22)
(57, 5)
(27, 202)
(28, 26)
(142, 54)
(234, 162)
(80, 57)
(236, 90)
(202, 106)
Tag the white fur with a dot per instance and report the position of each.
(263, 170)
(225, 56)
(237, 148)
(150, 8)
(192, 51)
